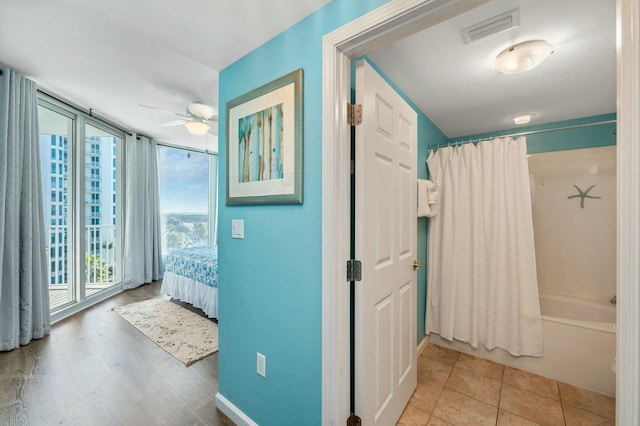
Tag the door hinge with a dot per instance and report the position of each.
(354, 114)
(354, 420)
(354, 270)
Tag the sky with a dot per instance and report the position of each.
(184, 182)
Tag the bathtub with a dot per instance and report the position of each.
(579, 340)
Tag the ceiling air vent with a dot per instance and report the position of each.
(495, 25)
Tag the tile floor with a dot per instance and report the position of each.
(459, 389)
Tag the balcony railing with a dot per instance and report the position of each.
(99, 257)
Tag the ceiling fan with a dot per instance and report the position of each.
(196, 118)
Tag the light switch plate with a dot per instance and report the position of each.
(261, 364)
(237, 228)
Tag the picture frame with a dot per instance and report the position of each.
(264, 144)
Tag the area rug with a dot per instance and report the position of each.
(184, 334)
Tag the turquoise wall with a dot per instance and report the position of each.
(270, 295)
(428, 134)
(560, 140)
(270, 281)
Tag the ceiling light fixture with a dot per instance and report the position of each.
(522, 118)
(522, 57)
(197, 127)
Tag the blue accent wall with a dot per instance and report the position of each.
(428, 134)
(270, 296)
(561, 140)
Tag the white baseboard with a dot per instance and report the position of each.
(233, 412)
(423, 344)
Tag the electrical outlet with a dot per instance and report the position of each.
(261, 364)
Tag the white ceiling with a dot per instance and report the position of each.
(455, 84)
(110, 56)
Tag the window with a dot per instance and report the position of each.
(186, 212)
(53, 168)
(53, 153)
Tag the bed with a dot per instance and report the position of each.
(191, 275)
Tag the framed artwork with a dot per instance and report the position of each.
(264, 144)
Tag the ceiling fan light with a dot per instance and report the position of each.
(523, 57)
(197, 127)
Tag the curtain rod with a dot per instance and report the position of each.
(199, 151)
(87, 113)
(531, 132)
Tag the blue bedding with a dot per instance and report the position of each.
(197, 263)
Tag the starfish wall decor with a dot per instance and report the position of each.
(582, 195)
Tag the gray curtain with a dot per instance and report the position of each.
(142, 245)
(24, 292)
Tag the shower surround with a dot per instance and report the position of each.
(573, 195)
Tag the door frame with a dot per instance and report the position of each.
(392, 22)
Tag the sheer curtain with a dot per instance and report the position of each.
(482, 284)
(24, 293)
(142, 258)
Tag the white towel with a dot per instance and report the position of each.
(434, 198)
(423, 201)
(428, 195)
(434, 194)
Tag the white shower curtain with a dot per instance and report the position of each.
(482, 285)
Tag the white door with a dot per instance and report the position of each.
(386, 158)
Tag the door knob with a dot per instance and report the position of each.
(416, 265)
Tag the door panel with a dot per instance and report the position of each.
(406, 344)
(383, 353)
(406, 239)
(56, 139)
(383, 210)
(102, 268)
(385, 227)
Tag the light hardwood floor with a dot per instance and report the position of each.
(96, 369)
